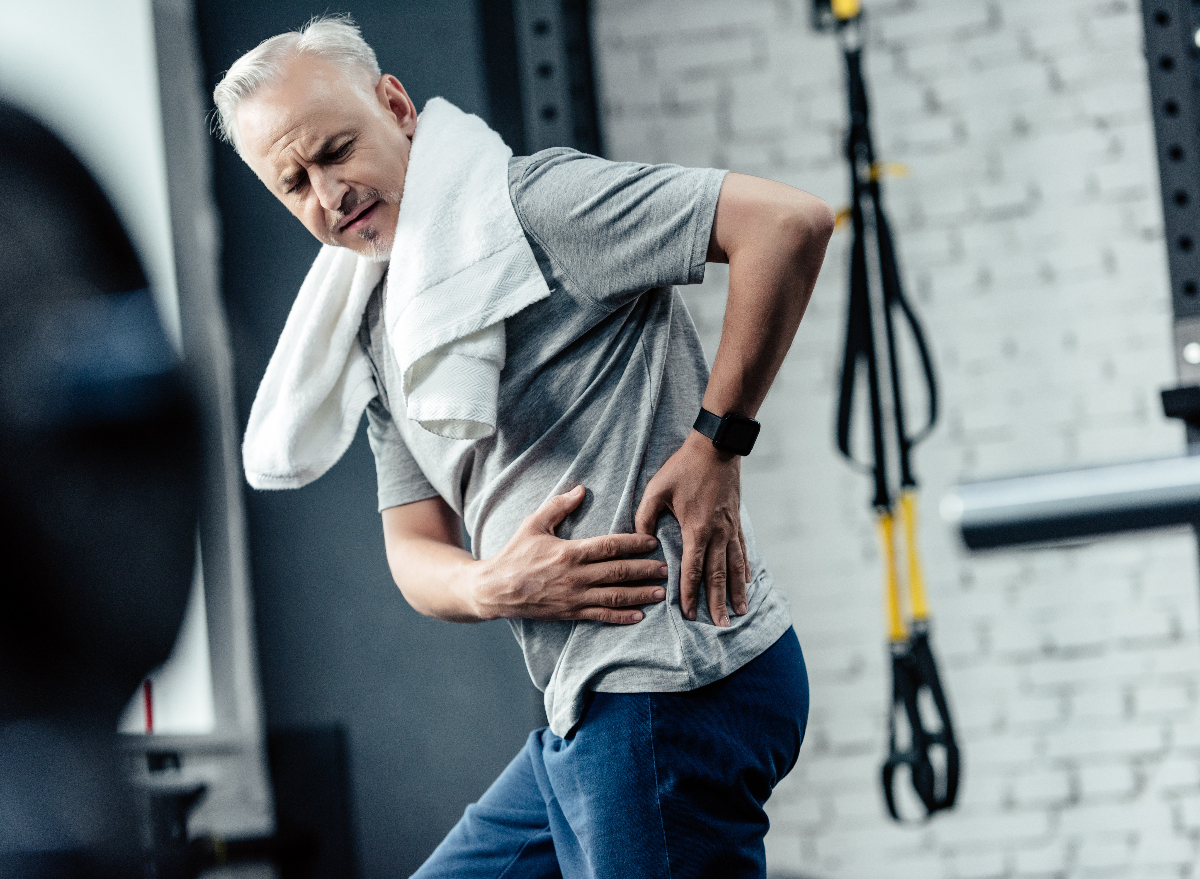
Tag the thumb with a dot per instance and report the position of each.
(556, 508)
(652, 505)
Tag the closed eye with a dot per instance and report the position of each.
(327, 157)
(298, 183)
(338, 154)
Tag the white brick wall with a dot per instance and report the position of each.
(1030, 237)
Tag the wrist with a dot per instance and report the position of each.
(731, 432)
(701, 446)
(481, 587)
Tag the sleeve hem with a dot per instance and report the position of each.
(386, 501)
(705, 217)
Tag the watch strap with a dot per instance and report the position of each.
(707, 423)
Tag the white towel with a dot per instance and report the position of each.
(460, 265)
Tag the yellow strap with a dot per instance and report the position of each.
(897, 631)
(916, 580)
(845, 9)
(879, 170)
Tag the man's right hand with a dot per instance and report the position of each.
(543, 577)
(536, 576)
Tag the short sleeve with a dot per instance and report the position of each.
(615, 229)
(400, 478)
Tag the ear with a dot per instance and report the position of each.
(391, 94)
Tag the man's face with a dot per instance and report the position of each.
(334, 148)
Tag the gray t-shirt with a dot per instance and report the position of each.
(602, 382)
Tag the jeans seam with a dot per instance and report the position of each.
(657, 796)
(517, 856)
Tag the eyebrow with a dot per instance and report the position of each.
(288, 180)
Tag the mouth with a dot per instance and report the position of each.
(359, 217)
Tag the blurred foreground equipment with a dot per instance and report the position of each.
(920, 731)
(99, 481)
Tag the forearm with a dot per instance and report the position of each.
(774, 239)
(438, 579)
(424, 551)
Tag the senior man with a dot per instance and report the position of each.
(512, 329)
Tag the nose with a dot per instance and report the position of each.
(329, 188)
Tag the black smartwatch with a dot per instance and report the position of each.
(729, 433)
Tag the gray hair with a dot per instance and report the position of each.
(335, 38)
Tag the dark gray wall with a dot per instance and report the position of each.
(432, 711)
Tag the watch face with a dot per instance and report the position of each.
(737, 434)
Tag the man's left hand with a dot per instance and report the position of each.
(701, 487)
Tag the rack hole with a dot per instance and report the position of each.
(1190, 288)
(1171, 108)
(1186, 244)
(1175, 152)
(549, 112)
(1166, 62)
(545, 69)
(541, 27)
(1162, 18)
(1181, 197)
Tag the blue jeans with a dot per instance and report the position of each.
(650, 785)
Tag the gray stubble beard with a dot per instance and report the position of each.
(378, 251)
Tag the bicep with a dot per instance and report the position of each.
(752, 211)
(429, 519)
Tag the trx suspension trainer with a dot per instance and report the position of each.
(920, 732)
